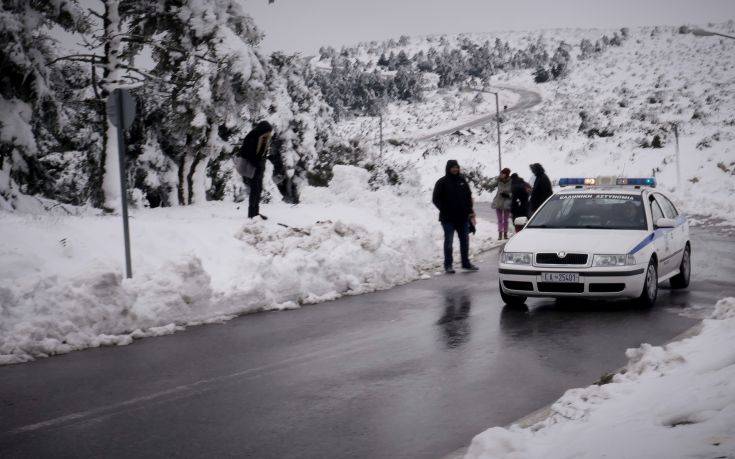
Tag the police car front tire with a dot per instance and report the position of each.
(650, 286)
(511, 300)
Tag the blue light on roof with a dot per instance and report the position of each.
(571, 181)
(646, 181)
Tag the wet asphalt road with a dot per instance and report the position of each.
(414, 372)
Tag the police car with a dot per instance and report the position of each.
(600, 238)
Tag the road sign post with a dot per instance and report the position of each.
(121, 113)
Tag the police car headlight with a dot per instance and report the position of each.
(613, 260)
(516, 258)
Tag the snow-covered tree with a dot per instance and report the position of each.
(209, 76)
(33, 92)
(586, 49)
(560, 61)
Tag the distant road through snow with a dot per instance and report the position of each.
(528, 100)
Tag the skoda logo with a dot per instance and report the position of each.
(561, 254)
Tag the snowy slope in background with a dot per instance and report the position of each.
(61, 286)
(635, 91)
(677, 400)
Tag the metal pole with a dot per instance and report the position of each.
(497, 112)
(123, 182)
(381, 134)
(678, 162)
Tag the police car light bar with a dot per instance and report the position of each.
(648, 181)
(589, 181)
(576, 181)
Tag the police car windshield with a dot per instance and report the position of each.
(592, 211)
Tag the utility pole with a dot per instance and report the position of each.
(678, 162)
(497, 120)
(381, 132)
(497, 115)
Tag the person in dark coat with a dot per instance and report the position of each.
(519, 199)
(541, 187)
(250, 163)
(453, 197)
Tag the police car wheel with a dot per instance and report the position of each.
(650, 287)
(511, 300)
(681, 280)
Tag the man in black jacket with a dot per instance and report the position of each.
(541, 187)
(453, 197)
(250, 163)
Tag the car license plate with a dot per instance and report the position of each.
(560, 277)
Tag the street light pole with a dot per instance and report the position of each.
(497, 119)
(381, 133)
(678, 162)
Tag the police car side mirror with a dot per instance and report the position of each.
(665, 223)
(520, 221)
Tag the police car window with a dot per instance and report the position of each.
(666, 206)
(592, 211)
(656, 211)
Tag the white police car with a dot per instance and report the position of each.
(594, 240)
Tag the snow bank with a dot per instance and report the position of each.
(676, 400)
(61, 286)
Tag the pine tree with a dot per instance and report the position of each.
(560, 61)
(208, 86)
(402, 60)
(33, 92)
(586, 49)
(383, 61)
(541, 75)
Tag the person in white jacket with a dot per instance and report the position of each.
(501, 203)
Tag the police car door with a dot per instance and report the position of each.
(676, 234)
(662, 239)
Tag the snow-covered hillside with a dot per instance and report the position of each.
(608, 116)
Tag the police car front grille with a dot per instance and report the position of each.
(554, 259)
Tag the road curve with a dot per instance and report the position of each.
(528, 100)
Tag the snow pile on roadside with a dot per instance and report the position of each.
(61, 286)
(676, 400)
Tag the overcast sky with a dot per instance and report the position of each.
(304, 25)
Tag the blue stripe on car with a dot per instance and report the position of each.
(680, 220)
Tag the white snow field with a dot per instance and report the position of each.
(62, 286)
(676, 400)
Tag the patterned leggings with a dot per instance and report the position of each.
(503, 216)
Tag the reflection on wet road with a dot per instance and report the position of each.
(415, 371)
(454, 321)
